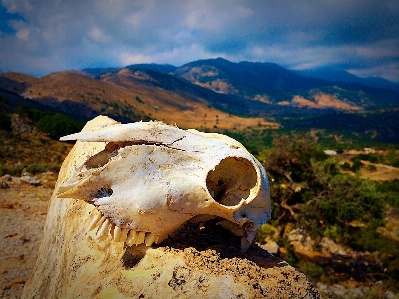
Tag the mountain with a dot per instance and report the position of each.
(127, 96)
(204, 94)
(273, 84)
(246, 78)
(267, 89)
(160, 68)
(343, 76)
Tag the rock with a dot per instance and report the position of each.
(5, 181)
(332, 247)
(357, 292)
(200, 260)
(30, 180)
(271, 246)
(339, 290)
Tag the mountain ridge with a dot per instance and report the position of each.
(70, 91)
(203, 94)
(270, 83)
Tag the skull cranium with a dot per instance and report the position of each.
(151, 178)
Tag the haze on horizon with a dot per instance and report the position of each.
(361, 37)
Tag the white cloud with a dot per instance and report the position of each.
(98, 35)
(81, 33)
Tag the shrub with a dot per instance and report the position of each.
(311, 269)
(357, 164)
(346, 166)
(35, 168)
(265, 231)
(58, 125)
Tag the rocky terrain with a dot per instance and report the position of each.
(23, 209)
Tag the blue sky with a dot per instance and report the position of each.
(43, 36)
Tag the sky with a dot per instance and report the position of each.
(43, 36)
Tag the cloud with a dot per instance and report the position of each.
(51, 35)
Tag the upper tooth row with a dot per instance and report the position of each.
(131, 237)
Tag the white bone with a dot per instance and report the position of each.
(100, 223)
(152, 177)
(103, 229)
(123, 236)
(131, 238)
(149, 239)
(140, 238)
(117, 233)
(96, 218)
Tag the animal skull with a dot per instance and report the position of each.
(151, 178)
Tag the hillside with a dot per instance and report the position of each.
(213, 94)
(268, 89)
(126, 96)
(273, 84)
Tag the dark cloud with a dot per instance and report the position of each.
(48, 35)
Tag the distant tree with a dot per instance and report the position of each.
(309, 190)
(58, 125)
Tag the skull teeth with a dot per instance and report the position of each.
(149, 239)
(104, 229)
(123, 236)
(135, 238)
(131, 238)
(95, 220)
(104, 226)
(117, 233)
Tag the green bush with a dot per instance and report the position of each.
(289, 255)
(309, 190)
(391, 191)
(311, 269)
(346, 166)
(357, 164)
(58, 125)
(14, 171)
(35, 168)
(265, 231)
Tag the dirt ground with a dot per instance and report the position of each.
(380, 172)
(23, 209)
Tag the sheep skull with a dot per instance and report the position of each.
(151, 178)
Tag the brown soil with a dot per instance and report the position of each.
(23, 211)
(380, 172)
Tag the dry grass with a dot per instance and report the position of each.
(378, 172)
(126, 94)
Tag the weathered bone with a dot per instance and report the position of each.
(151, 178)
(72, 263)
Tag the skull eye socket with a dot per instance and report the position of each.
(231, 180)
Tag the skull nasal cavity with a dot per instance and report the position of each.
(103, 157)
(103, 192)
(231, 180)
